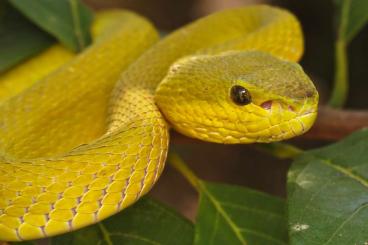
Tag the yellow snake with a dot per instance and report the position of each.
(91, 137)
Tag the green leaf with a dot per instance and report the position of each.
(67, 20)
(353, 17)
(328, 194)
(147, 223)
(236, 215)
(19, 39)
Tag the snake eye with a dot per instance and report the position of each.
(240, 95)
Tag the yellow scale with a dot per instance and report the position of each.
(81, 137)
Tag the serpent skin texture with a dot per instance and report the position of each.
(18, 79)
(88, 140)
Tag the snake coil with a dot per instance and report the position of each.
(77, 146)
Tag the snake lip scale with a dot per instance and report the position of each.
(84, 136)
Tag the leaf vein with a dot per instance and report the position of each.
(76, 24)
(346, 172)
(222, 212)
(105, 233)
(212, 237)
(346, 221)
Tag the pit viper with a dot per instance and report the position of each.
(90, 138)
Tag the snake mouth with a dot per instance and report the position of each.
(267, 105)
(297, 118)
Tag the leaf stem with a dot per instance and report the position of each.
(175, 160)
(280, 150)
(340, 90)
(105, 233)
(341, 81)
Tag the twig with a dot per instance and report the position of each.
(334, 124)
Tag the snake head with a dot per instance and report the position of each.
(238, 97)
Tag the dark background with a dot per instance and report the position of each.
(243, 164)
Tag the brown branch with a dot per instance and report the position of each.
(334, 124)
(331, 124)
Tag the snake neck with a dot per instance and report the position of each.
(139, 108)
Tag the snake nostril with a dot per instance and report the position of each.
(267, 105)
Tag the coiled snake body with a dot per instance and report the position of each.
(77, 147)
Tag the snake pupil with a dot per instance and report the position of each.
(240, 95)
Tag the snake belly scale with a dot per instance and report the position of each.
(91, 138)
